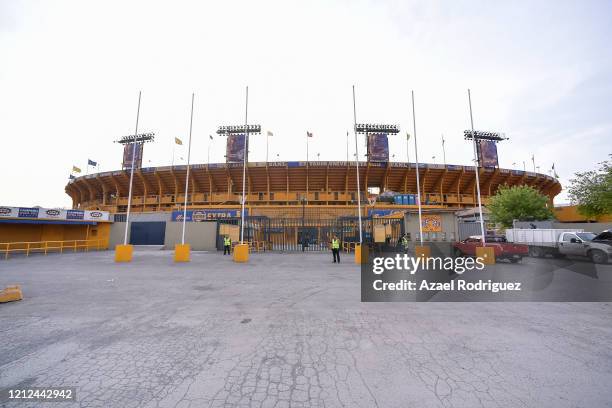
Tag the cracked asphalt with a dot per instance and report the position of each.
(284, 331)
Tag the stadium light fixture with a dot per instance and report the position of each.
(242, 129)
(138, 138)
(365, 128)
(484, 135)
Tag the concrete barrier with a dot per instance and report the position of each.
(11, 294)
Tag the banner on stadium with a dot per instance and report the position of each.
(487, 153)
(208, 214)
(53, 214)
(128, 149)
(378, 147)
(235, 150)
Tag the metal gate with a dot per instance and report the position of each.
(468, 229)
(304, 234)
(147, 233)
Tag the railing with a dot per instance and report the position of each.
(73, 245)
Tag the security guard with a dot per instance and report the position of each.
(405, 243)
(335, 245)
(227, 245)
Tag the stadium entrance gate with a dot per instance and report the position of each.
(306, 234)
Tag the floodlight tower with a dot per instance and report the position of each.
(374, 128)
(136, 139)
(480, 135)
(246, 130)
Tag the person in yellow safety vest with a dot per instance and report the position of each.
(335, 245)
(405, 243)
(227, 245)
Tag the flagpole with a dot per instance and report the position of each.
(173, 148)
(533, 161)
(267, 143)
(347, 146)
(208, 153)
(408, 149)
(307, 165)
(244, 164)
(357, 167)
(443, 151)
(482, 228)
(416, 158)
(187, 176)
(127, 217)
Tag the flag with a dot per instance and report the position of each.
(91, 163)
(75, 169)
(554, 171)
(308, 134)
(178, 141)
(268, 133)
(72, 177)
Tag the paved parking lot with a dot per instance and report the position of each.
(285, 330)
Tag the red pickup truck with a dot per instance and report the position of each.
(502, 249)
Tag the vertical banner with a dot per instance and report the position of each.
(236, 148)
(127, 156)
(378, 147)
(487, 153)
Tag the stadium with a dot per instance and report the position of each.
(298, 205)
(279, 188)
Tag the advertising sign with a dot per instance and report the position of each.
(53, 214)
(235, 150)
(8, 212)
(487, 153)
(27, 212)
(380, 213)
(208, 214)
(432, 223)
(127, 156)
(378, 147)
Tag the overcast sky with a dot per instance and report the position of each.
(70, 72)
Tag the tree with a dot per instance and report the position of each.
(521, 203)
(592, 191)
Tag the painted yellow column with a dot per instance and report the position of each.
(361, 254)
(487, 254)
(182, 252)
(422, 251)
(241, 253)
(123, 253)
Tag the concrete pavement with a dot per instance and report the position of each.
(285, 330)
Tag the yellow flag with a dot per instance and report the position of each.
(178, 141)
(75, 169)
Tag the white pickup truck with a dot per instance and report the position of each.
(563, 242)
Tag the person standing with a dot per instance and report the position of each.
(227, 245)
(335, 245)
(405, 243)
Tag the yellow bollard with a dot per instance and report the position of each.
(487, 254)
(241, 253)
(361, 254)
(422, 251)
(123, 253)
(181, 252)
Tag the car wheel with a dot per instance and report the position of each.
(457, 252)
(598, 256)
(515, 260)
